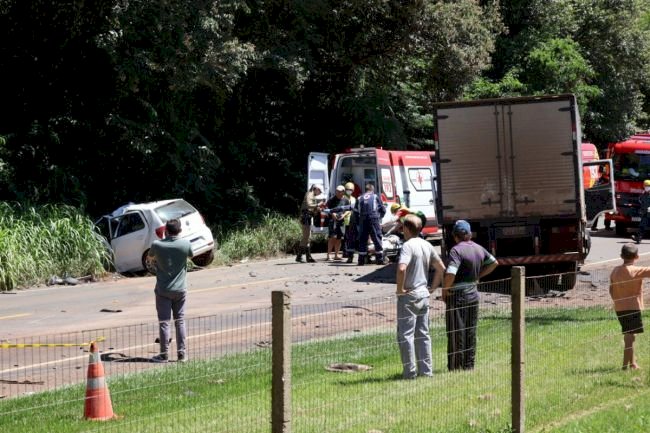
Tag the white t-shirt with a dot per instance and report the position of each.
(417, 254)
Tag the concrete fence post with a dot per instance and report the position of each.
(281, 369)
(518, 285)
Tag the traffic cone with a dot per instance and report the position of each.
(98, 399)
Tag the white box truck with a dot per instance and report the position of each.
(513, 168)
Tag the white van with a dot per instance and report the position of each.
(399, 176)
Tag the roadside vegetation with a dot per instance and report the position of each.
(573, 384)
(37, 243)
(274, 235)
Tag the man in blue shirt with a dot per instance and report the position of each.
(171, 256)
(370, 210)
(468, 262)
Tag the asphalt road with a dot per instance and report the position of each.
(223, 305)
(246, 286)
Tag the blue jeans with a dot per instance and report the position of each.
(413, 336)
(166, 305)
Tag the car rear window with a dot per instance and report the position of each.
(176, 209)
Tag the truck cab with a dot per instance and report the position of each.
(631, 161)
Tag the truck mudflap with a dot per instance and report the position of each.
(547, 258)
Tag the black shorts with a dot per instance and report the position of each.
(335, 228)
(631, 322)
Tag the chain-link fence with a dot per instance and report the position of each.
(346, 371)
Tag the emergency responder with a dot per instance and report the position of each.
(370, 210)
(644, 205)
(350, 224)
(310, 207)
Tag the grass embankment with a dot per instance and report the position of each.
(274, 235)
(39, 242)
(573, 384)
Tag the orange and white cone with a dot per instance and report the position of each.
(98, 399)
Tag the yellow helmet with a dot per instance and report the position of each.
(349, 185)
(395, 207)
(646, 182)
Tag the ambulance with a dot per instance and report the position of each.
(399, 176)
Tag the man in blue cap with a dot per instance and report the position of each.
(468, 262)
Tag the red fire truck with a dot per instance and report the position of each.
(631, 161)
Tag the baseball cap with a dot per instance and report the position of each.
(462, 226)
(319, 186)
(340, 188)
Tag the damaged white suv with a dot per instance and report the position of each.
(131, 229)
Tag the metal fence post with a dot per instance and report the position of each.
(281, 369)
(518, 279)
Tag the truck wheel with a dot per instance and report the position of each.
(568, 277)
(621, 229)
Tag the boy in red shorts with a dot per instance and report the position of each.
(626, 290)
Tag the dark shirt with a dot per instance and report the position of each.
(171, 262)
(370, 206)
(335, 202)
(466, 259)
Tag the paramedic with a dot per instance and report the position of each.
(370, 210)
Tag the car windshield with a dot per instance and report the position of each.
(174, 210)
(631, 166)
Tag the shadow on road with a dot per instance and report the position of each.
(377, 274)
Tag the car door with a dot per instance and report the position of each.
(318, 172)
(599, 197)
(129, 235)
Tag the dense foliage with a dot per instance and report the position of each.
(220, 101)
(37, 243)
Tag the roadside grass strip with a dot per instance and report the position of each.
(574, 383)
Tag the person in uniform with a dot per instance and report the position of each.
(370, 210)
(644, 212)
(350, 224)
(309, 208)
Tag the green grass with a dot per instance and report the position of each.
(573, 384)
(39, 242)
(274, 235)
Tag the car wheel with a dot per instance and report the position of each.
(204, 259)
(149, 263)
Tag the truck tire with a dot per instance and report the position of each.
(621, 229)
(586, 244)
(567, 280)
